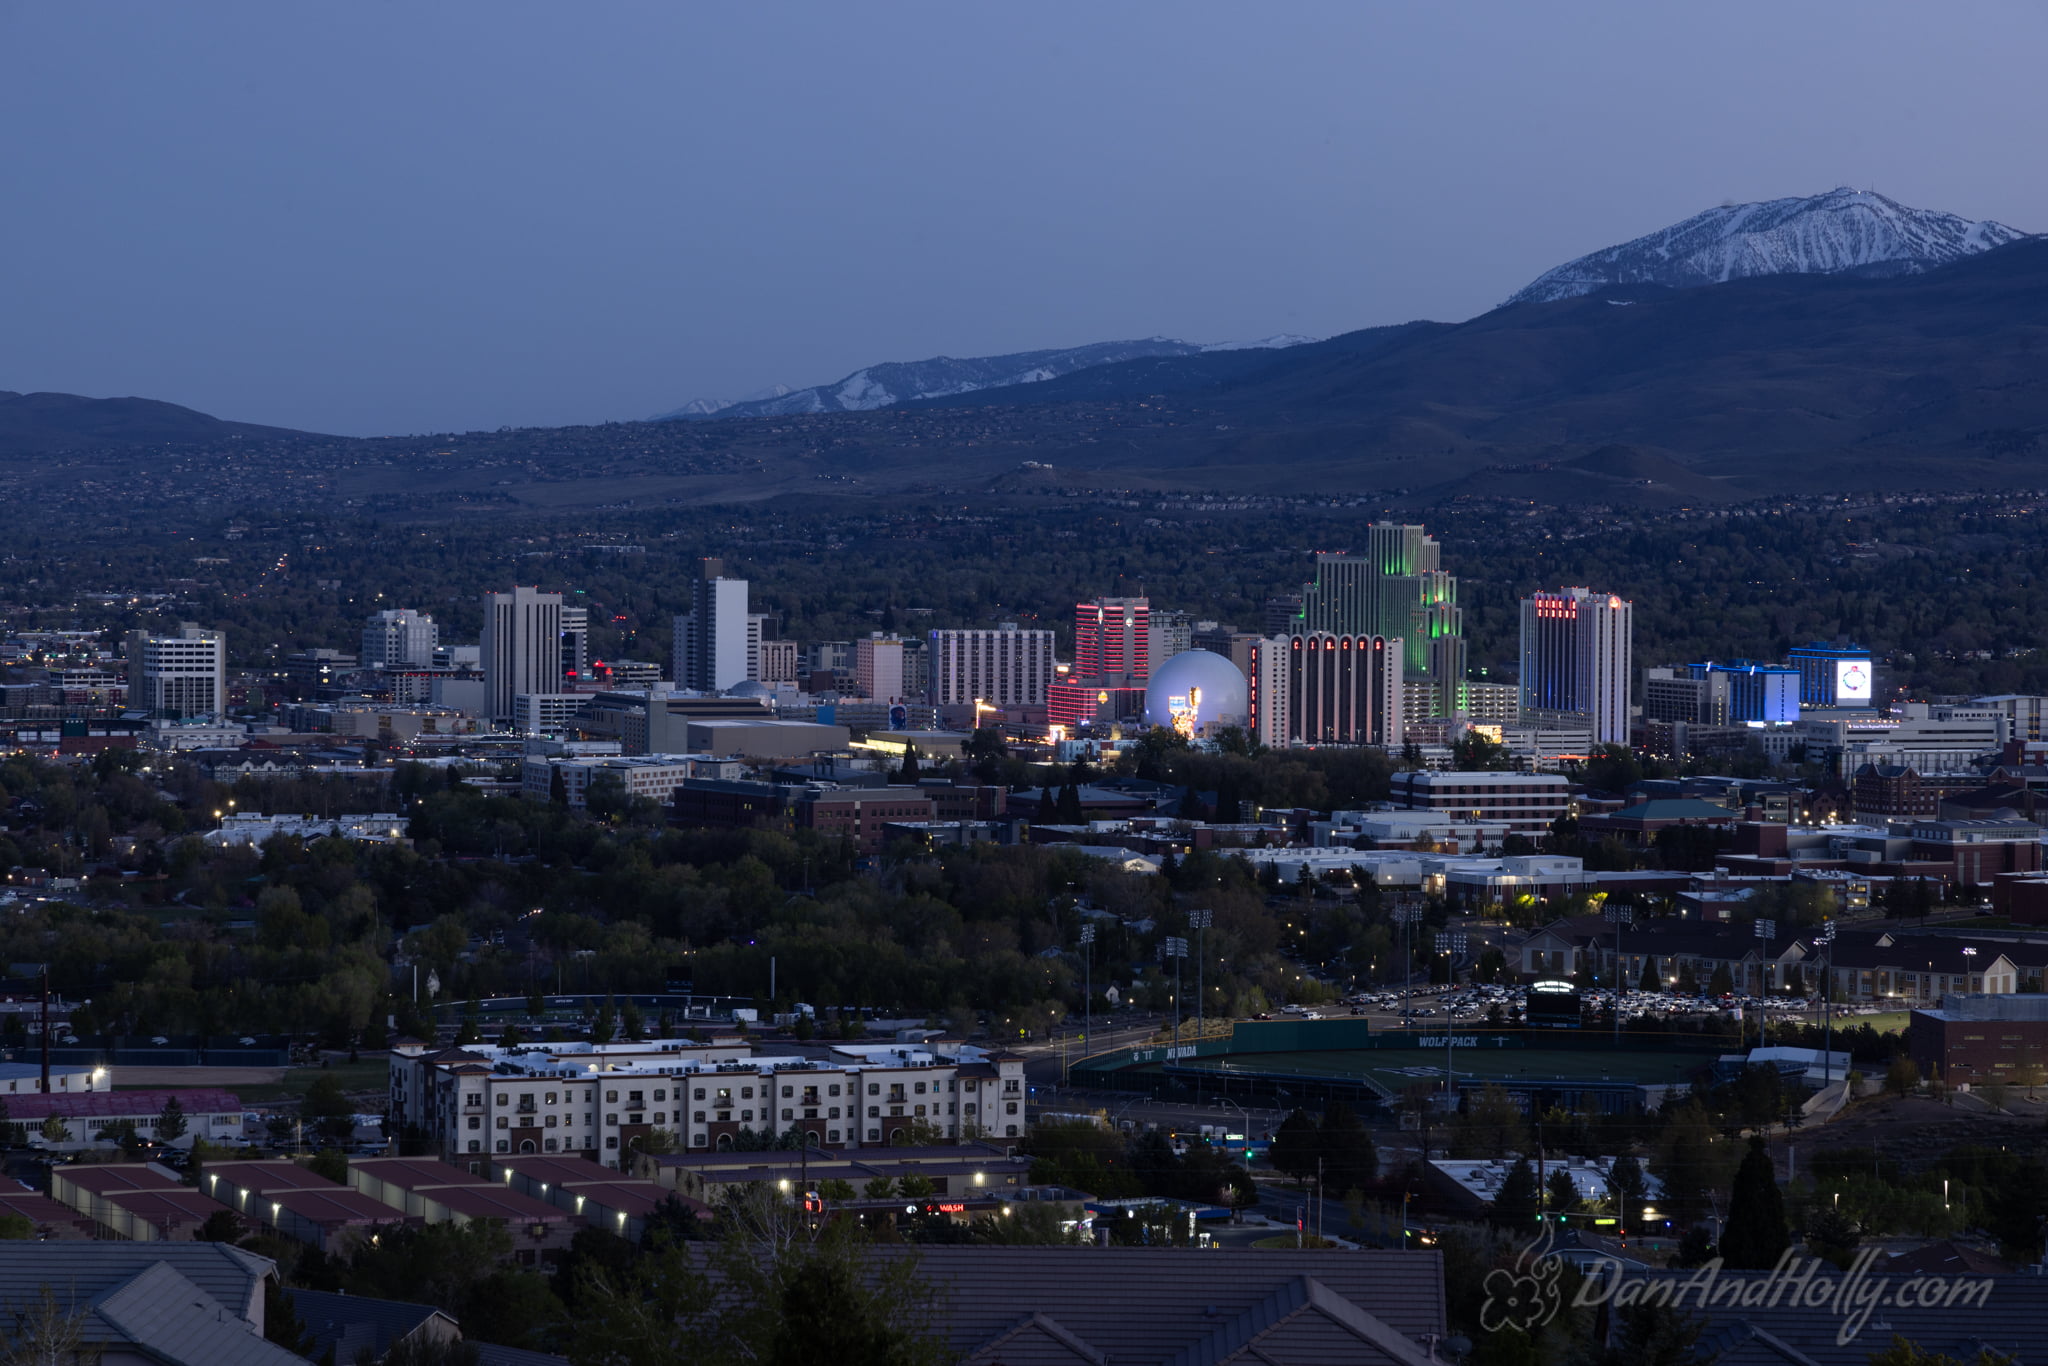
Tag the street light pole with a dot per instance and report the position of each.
(1765, 931)
(1450, 942)
(1087, 984)
(1827, 1000)
(1620, 916)
(1175, 948)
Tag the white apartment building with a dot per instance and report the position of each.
(1006, 667)
(644, 775)
(878, 668)
(546, 713)
(254, 830)
(1526, 803)
(717, 642)
(522, 647)
(400, 638)
(594, 1099)
(178, 676)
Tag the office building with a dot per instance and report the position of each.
(713, 639)
(878, 668)
(1112, 640)
(1526, 803)
(1326, 690)
(1397, 590)
(1005, 667)
(1493, 704)
(1740, 691)
(178, 676)
(759, 624)
(575, 643)
(1674, 695)
(778, 661)
(399, 639)
(2024, 714)
(1168, 634)
(1576, 661)
(1833, 675)
(521, 647)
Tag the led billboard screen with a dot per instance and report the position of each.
(1852, 680)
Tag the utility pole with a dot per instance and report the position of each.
(46, 1029)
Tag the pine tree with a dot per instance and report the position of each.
(606, 1023)
(1563, 1192)
(471, 1030)
(1722, 983)
(1070, 806)
(1649, 980)
(1755, 1236)
(1296, 1145)
(1516, 1203)
(1626, 1187)
(170, 1121)
(558, 788)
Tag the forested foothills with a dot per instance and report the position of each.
(1938, 586)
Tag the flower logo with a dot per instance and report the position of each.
(1526, 1296)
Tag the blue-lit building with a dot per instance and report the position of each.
(1741, 691)
(1833, 675)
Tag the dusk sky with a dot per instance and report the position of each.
(373, 218)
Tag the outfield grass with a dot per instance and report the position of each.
(1399, 1067)
(353, 1076)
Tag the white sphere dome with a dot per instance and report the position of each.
(1205, 684)
(751, 688)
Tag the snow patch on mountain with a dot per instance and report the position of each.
(880, 386)
(1844, 231)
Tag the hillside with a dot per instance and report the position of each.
(33, 423)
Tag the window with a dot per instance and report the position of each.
(503, 1122)
(662, 1094)
(697, 1140)
(1010, 1108)
(699, 1094)
(874, 1134)
(920, 1088)
(874, 1112)
(724, 1096)
(613, 1120)
(700, 1116)
(834, 1113)
(788, 1113)
(835, 1088)
(788, 1091)
(611, 1097)
(551, 1121)
(504, 1099)
(551, 1098)
(747, 1092)
(747, 1116)
(476, 1121)
(504, 1145)
(612, 1140)
(475, 1146)
(661, 1116)
(874, 1089)
(832, 1136)
(551, 1145)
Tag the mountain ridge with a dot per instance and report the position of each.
(937, 377)
(1843, 231)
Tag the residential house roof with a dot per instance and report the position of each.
(1182, 1307)
(347, 1324)
(181, 1304)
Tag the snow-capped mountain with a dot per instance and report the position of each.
(879, 386)
(1844, 231)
